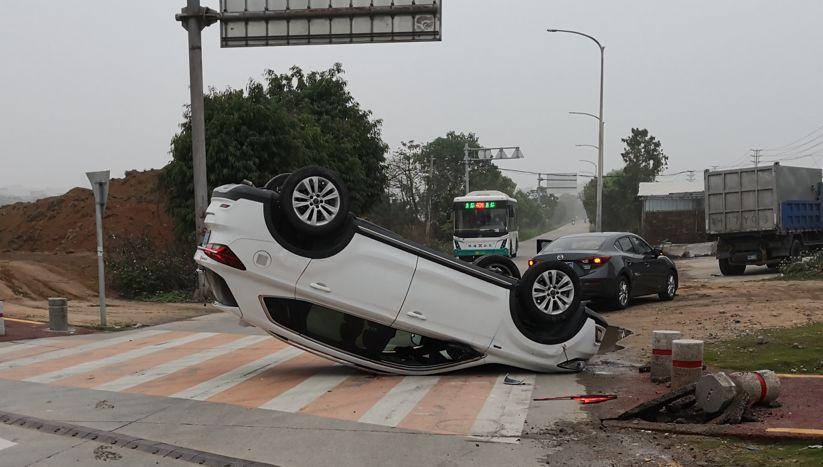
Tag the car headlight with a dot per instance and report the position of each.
(456, 244)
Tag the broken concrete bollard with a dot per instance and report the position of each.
(58, 314)
(661, 369)
(763, 386)
(687, 361)
(714, 392)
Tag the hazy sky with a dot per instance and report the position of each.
(101, 84)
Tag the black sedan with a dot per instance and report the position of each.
(613, 266)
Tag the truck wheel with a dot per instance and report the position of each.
(550, 292)
(728, 269)
(499, 264)
(315, 200)
(797, 249)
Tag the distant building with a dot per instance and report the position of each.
(673, 211)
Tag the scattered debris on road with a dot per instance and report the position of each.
(584, 399)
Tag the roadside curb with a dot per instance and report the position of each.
(716, 430)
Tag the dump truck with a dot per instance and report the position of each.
(763, 215)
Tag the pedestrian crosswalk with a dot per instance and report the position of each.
(5, 444)
(264, 373)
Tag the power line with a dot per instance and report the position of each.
(793, 143)
(756, 156)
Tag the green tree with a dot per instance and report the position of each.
(644, 160)
(285, 122)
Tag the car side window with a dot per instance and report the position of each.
(641, 246)
(617, 246)
(626, 245)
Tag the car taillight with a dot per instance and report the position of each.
(223, 255)
(594, 261)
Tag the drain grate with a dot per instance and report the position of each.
(128, 442)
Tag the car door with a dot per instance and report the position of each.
(652, 276)
(636, 265)
(368, 279)
(658, 270)
(448, 304)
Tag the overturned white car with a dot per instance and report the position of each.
(290, 259)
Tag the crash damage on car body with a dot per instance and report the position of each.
(290, 259)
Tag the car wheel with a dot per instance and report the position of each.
(728, 269)
(550, 291)
(622, 293)
(670, 287)
(276, 182)
(796, 250)
(499, 264)
(315, 200)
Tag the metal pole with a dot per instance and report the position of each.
(599, 225)
(101, 272)
(194, 23)
(466, 161)
(429, 209)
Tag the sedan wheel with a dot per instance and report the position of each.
(315, 200)
(671, 287)
(622, 294)
(550, 291)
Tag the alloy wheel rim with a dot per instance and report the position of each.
(671, 286)
(316, 201)
(553, 292)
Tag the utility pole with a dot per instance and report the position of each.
(429, 189)
(756, 156)
(466, 163)
(194, 18)
(690, 176)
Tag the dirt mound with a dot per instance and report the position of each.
(35, 278)
(136, 207)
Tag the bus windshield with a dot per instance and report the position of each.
(494, 220)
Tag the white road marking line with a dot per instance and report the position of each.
(234, 377)
(5, 444)
(119, 358)
(79, 349)
(392, 408)
(168, 368)
(307, 391)
(504, 412)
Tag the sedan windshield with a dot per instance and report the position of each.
(574, 243)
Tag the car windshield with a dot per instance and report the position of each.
(493, 220)
(574, 243)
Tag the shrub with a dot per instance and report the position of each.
(138, 270)
(810, 267)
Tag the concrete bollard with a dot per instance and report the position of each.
(714, 392)
(58, 314)
(661, 369)
(2, 320)
(763, 386)
(687, 362)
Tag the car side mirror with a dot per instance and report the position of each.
(542, 243)
(656, 252)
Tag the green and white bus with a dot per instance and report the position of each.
(485, 223)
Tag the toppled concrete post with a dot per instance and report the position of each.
(714, 392)
(58, 314)
(687, 362)
(763, 386)
(661, 368)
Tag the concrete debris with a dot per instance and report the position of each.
(761, 340)
(763, 386)
(714, 392)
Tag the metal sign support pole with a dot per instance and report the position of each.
(466, 161)
(101, 271)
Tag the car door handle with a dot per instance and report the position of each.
(320, 286)
(416, 315)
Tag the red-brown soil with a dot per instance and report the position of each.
(136, 207)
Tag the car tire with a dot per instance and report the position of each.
(622, 293)
(275, 184)
(315, 200)
(669, 287)
(549, 292)
(796, 250)
(728, 269)
(499, 264)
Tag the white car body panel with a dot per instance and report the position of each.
(459, 298)
(368, 277)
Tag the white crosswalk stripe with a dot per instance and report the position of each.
(129, 381)
(79, 349)
(400, 400)
(5, 444)
(304, 393)
(121, 357)
(234, 377)
(504, 412)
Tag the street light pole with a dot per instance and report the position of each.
(194, 18)
(429, 189)
(466, 162)
(599, 221)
